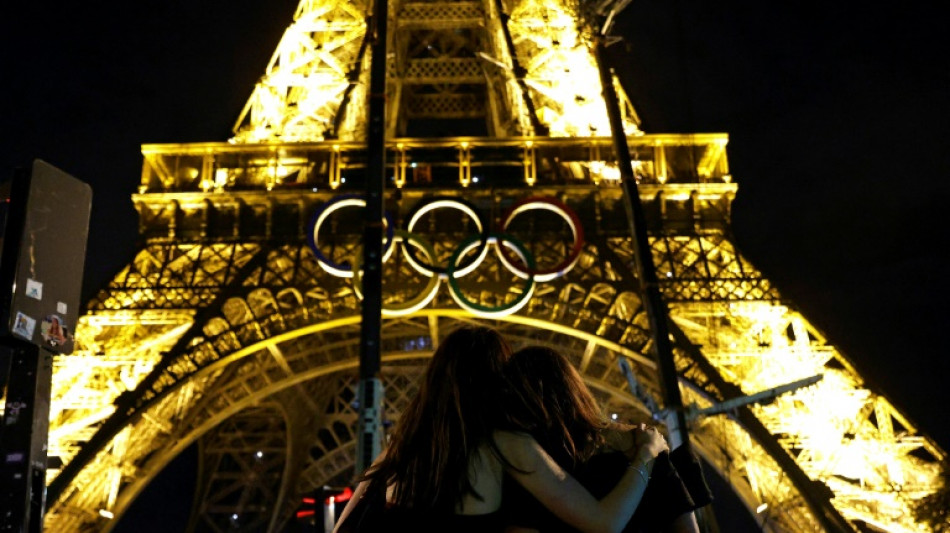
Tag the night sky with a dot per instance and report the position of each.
(837, 117)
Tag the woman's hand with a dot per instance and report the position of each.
(647, 444)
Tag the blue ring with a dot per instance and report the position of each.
(311, 233)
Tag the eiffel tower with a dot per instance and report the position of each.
(235, 328)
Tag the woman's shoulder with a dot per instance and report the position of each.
(511, 435)
(514, 441)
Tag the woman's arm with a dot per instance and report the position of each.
(564, 496)
(684, 523)
(357, 494)
(354, 499)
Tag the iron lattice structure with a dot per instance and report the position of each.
(226, 332)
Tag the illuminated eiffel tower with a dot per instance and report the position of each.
(235, 328)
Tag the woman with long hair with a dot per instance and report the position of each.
(550, 400)
(452, 446)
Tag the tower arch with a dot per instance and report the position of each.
(250, 384)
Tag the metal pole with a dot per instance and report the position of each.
(657, 314)
(656, 309)
(653, 302)
(24, 436)
(370, 393)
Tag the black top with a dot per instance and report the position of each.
(666, 496)
(372, 514)
(397, 519)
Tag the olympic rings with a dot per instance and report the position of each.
(346, 200)
(466, 257)
(413, 304)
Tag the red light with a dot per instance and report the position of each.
(302, 514)
(342, 496)
(309, 500)
(345, 495)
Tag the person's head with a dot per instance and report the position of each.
(458, 406)
(548, 398)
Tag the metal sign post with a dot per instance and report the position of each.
(675, 414)
(24, 435)
(646, 271)
(657, 314)
(370, 393)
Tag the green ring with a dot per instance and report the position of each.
(490, 310)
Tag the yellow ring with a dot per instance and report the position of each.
(420, 300)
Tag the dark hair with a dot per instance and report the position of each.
(549, 399)
(457, 408)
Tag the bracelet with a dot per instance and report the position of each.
(642, 471)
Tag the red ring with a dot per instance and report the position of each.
(553, 272)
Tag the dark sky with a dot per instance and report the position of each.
(836, 114)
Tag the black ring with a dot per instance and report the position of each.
(483, 238)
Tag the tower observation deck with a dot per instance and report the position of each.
(235, 327)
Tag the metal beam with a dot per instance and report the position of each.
(369, 437)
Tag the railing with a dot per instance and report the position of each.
(442, 162)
